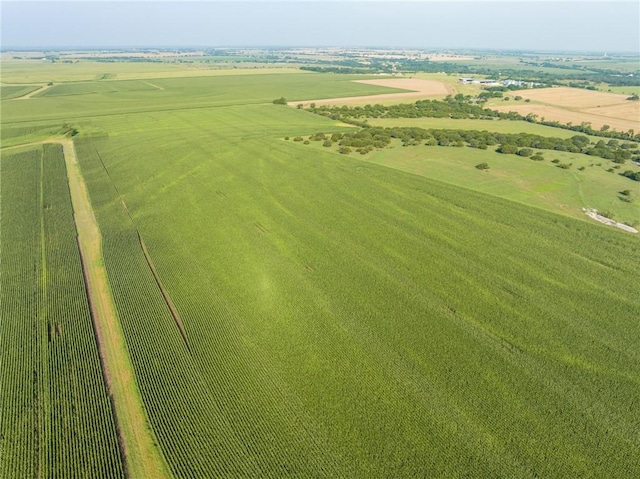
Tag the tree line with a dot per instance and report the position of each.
(522, 144)
(456, 107)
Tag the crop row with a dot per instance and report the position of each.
(209, 409)
(56, 415)
(411, 328)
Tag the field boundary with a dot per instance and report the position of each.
(165, 295)
(141, 455)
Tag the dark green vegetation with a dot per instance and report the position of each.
(508, 143)
(55, 416)
(458, 107)
(338, 318)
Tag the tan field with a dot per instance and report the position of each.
(417, 89)
(574, 97)
(575, 117)
(577, 106)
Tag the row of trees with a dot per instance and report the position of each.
(522, 144)
(456, 107)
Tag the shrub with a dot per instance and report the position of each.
(507, 149)
(280, 101)
(345, 150)
(482, 166)
(526, 152)
(327, 143)
(297, 138)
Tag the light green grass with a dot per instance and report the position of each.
(343, 318)
(183, 93)
(374, 302)
(499, 126)
(539, 184)
(15, 91)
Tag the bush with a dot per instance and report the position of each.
(297, 138)
(635, 176)
(526, 152)
(280, 101)
(556, 161)
(345, 150)
(482, 166)
(327, 143)
(507, 149)
(537, 157)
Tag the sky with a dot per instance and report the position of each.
(598, 26)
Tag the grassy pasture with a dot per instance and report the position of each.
(539, 184)
(500, 126)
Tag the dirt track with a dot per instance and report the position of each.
(143, 458)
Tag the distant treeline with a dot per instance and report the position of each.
(577, 76)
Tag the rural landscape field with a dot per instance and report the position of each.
(319, 262)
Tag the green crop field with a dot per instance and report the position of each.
(15, 91)
(55, 416)
(294, 312)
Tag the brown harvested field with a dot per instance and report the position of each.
(576, 105)
(573, 97)
(629, 110)
(576, 117)
(417, 89)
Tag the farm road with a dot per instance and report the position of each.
(34, 92)
(143, 459)
(142, 456)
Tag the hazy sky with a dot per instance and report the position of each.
(603, 26)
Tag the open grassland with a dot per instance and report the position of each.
(339, 318)
(500, 126)
(55, 415)
(574, 105)
(535, 183)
